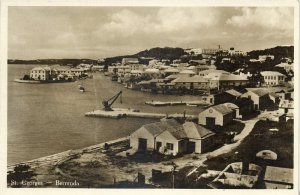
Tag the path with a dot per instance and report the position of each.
(249, 124)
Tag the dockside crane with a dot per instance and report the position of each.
(108, 103)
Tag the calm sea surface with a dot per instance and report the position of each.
(44, 119)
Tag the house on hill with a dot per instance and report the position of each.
(126, 61)
(216, 115)
(260, 98)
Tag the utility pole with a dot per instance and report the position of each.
(173, 174)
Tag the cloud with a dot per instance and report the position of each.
(165, 20)
(268, 18)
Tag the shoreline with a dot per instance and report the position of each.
(58, 157)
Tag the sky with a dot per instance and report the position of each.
(99, 32)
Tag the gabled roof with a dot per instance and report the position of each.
(260, 92)
(271, 73)
(279, 174)
(187, 72)
(152, 70)
(231, 105)
(233, 92)
(157, 128)
(213, 71)
(171, 70)
(194, 131)
(230, 77)
(221, 108)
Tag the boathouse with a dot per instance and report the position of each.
(216, 115)
(171, 138)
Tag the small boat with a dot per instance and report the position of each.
(81, 89)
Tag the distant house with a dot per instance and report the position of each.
(153, 73)
(286, 66)
(225, 81)
(134, 66)
(40, 73)
(286, 106)
(77, 71)
(99, 68)
(211, 73)
(187, 72)
(246, 106)
(273, 78)
(263, 58)
(259, 97)
(126, 61)
(194, 82)
(216, 115)
(278, 178)
(170, 137)
(226, 96)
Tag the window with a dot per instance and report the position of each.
(169, 146)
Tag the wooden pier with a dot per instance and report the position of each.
(121, 113)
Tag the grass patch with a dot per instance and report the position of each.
(261, 138)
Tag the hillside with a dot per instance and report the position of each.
(279, 52)
(71, 62)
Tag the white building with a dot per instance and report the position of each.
(40, 73)
(273, 78)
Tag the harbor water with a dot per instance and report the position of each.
(45, 119)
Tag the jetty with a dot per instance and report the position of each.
(175, 103)
(121, 113)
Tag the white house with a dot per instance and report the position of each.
(171, 138)
(216, 115)
(286, 66)
(200, 139)
(40, 73)
(126, 61)
(273, 78)
(286, 106)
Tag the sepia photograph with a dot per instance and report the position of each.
(142, 97)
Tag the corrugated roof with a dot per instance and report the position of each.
(230, 77)
(222, 109)
(260, 92)
(187, 72)
(233, 92)
(271, 73)
(279, 174)
(170, 125)
(194, 131)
